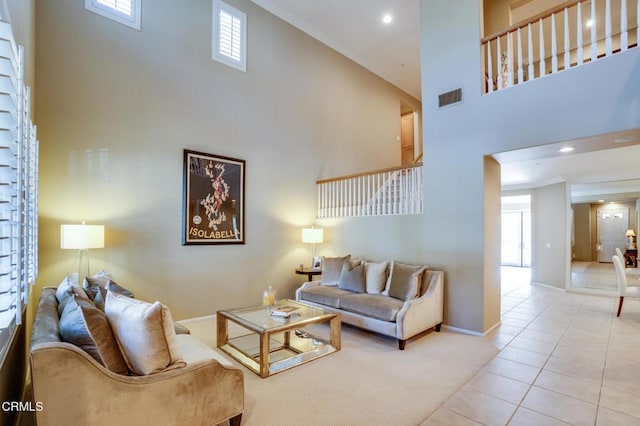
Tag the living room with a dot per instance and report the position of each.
(116, 107)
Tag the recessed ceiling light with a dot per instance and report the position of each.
(601, 201)
(387, 19)
(589, 23)
(566, 149)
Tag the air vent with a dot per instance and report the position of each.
(449, 98)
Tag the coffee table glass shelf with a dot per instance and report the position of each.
(275, 344)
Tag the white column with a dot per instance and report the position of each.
(567, 41)
(542, 60)
(607, 28)
(624, 37)
(580, 53)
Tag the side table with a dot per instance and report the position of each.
(309, 272)
(631, 258)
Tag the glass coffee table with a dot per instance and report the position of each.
(274, 344)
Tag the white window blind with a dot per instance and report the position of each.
(229, 35)
(126, 12)
(18, 188)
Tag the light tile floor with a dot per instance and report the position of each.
(565, 359)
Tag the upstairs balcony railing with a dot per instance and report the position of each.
(391, 191)
(569, 35)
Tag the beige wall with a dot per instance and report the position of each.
(549, 208)
(116, 107)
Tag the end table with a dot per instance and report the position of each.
(309, 272)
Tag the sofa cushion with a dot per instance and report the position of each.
(405, 281)
(372, 305)
(85, 326)
(376, 276)
(332, 268)
(65, 291)
(324, 295)
(352, 278)
(118, 289)
(145, 334)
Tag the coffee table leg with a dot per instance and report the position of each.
(264, 354)
(287, 338)
(335, 332)
(222, 333)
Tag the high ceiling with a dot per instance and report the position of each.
(354, 28)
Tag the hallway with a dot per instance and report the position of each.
(565, 359)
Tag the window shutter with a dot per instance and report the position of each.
(229, 35)
(126, 12)
(18, 187)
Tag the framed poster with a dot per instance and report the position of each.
(213, 199)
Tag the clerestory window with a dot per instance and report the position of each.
(229, 35)
(126, 12)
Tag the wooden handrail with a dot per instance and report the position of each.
(373, 172)
(531, 20)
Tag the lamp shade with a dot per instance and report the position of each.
(630, 233)
(312, 235)
(81, 237)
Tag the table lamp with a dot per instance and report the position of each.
(82, 238)
(631, 236)
(312, 236)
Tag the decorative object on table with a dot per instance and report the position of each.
(312, 236)
(82, 238)
(283, 311)
(316, 263)
(213, 199)
(631, 239)
(269, 297)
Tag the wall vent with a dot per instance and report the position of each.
(449, 98)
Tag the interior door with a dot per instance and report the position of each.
(612, 225)
(406, 139)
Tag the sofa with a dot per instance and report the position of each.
(74, 383)
(390, 298)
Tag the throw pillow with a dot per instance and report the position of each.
(405, 281)
(145, 334)
(118, 289)
(352, 279)
(85, 326)
(376, 276)
(65, 292)
(332, 268)
(92, 286)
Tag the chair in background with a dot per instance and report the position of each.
(635, 272)
(621, 277)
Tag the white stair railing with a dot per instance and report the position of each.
(612, 26)
(391, 191)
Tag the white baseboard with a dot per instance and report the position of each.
(553, 287)
(190, 320)
(473, 333)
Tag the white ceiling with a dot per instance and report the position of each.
(354, 28)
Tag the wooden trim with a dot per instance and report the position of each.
(531, 20)
(419, 159)
(374, 172)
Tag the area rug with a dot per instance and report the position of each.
(369, 382)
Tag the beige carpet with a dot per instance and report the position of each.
(369, 382)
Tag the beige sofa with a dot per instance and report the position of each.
(74, 389)
(400, 314)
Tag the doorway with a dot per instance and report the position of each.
(516, 231)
